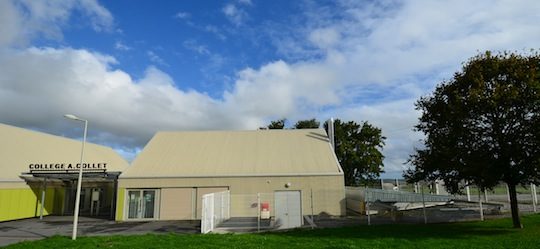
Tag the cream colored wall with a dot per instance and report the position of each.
(328, 191)
(13, 185)
(176, 204)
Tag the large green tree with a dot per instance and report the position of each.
(358, 149)
(483, 126)
(307, 124)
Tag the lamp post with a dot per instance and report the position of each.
(79, 181)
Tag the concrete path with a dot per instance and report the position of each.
(34, 229)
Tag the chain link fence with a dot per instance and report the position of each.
(396, 201)
(272, 211)
(389, 201)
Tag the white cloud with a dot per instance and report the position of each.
(123, 112)
(101, 18)
(397, 119)
(118, 45)
(193, 45)
(21, 21)
(246, 2)
(235, 15)
(324, 37)
(182, 15)
(374, 60)
(214, 30)
(155, 58)
(10, 23)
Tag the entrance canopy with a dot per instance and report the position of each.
(70, 176)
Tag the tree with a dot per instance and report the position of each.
(358, 149)
(483, 126)
(278, 124)
(307, 124)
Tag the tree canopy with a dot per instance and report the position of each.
(483, 126)
(307, 124)
(358, 149)
(300, 124)
(278, 124)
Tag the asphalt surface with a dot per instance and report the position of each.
(33, 229)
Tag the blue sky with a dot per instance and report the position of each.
(136, 67)
(201, 45)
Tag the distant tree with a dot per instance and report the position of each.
(483, 126)
(358, 149)
(307, 124)
(278, 124)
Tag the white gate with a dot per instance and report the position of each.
(288, 209)
(215, 210)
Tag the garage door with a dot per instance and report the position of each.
(288, 209)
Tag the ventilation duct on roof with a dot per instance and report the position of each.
(331, 132)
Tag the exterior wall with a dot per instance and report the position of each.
(328, 192)
(19, 201)
(176, 204)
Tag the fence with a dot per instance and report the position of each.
(215, 210)
(417, 203)
(527, 194)
(271, 211)
(413, 203)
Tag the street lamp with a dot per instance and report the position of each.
(78, 197)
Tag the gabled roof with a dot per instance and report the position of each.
(20, 147)
(236, 153)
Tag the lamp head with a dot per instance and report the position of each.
(73, 117)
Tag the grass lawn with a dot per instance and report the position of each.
(488, 234)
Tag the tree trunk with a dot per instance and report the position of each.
(514, 206)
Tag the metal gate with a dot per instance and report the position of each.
(215, 210)
(288, 209)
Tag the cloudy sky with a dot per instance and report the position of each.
(136, 67)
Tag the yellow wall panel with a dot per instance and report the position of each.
(120, 204)
(49, 201)
(26, 203)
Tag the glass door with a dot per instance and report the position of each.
(134, 199)
(149, 203)
(142, 204)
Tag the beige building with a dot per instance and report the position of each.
(169, 177)
(38, 168)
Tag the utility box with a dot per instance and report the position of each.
(95, 194)
(95, 203)
(265, 210)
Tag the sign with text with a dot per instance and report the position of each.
(67, 167)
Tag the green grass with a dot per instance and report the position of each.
(488, 234)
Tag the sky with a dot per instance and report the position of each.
(133, 68)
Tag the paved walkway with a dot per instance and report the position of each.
(33, 229)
